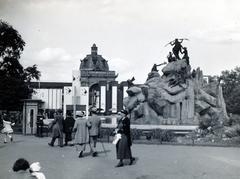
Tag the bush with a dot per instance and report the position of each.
(136, 133)
(167, 136)
(157, 133)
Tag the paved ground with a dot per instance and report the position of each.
(153, 161)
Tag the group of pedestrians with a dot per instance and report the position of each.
(87, 132)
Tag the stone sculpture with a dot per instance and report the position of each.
(179, 96)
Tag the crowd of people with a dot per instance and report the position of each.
(82, 132)
(87, 131)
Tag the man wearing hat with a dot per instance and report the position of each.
(81, 126)
(124, 144)
(94, 130)
(57, 129)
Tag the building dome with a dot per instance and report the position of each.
(94, 62)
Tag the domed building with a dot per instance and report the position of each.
(94, 62)
(96, 75)
(93, 84)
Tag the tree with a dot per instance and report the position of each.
(14, 79)
(231, 89)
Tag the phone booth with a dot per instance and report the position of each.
(30, 112)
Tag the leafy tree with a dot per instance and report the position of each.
(14, 79)
(231, 89)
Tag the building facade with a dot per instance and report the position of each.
(93, 85)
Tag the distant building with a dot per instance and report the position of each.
(95, 74)
(93, 85)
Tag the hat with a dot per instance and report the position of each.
(124, 111)
(79, 113)
(93, 110)
(35, 167)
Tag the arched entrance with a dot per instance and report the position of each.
(94, 92)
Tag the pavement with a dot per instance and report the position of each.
(152, 161)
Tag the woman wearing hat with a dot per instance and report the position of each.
(82, 135)
(124, 144)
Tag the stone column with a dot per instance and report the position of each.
(114, 85)
(103, 96)
(122, 94)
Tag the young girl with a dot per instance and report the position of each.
(7, 130)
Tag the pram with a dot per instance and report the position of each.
(7, 130)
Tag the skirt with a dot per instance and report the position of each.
(123, 149)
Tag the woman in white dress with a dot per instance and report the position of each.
(7, 130)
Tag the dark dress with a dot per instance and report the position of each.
(68, 127)
(124, 144)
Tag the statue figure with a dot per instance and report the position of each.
(170, 58)
(154, 68)
(177, 47)
(130, 82)
(194, 73)
(185, 55)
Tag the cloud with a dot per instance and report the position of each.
(55, 64)
(52, 54)
(225, 34)
(122, 66)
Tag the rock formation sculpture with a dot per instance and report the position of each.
(179, 96)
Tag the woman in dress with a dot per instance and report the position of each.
(123, 146)
(81, 126)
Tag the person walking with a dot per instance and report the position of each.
(94, 130)
(7, 128)
(81, 126)
(68, 127)
(57, 129)
(123, 146)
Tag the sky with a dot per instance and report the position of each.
(130, 34)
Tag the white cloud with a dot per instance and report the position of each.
(55, 64)
(123, 67)
(225, 34)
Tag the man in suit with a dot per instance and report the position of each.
(94, 130)
(57, 129)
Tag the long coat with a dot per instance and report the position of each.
(95, 125)
(124, 128)
(68, 127)
(82, 134)
(68, 124)
(124, 145)
(57, 129)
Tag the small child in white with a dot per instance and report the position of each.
(35, 170)
(7, 130)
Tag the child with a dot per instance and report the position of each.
(7, 130)
(23, 170)
(35, 170)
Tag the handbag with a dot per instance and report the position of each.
(116, 138)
